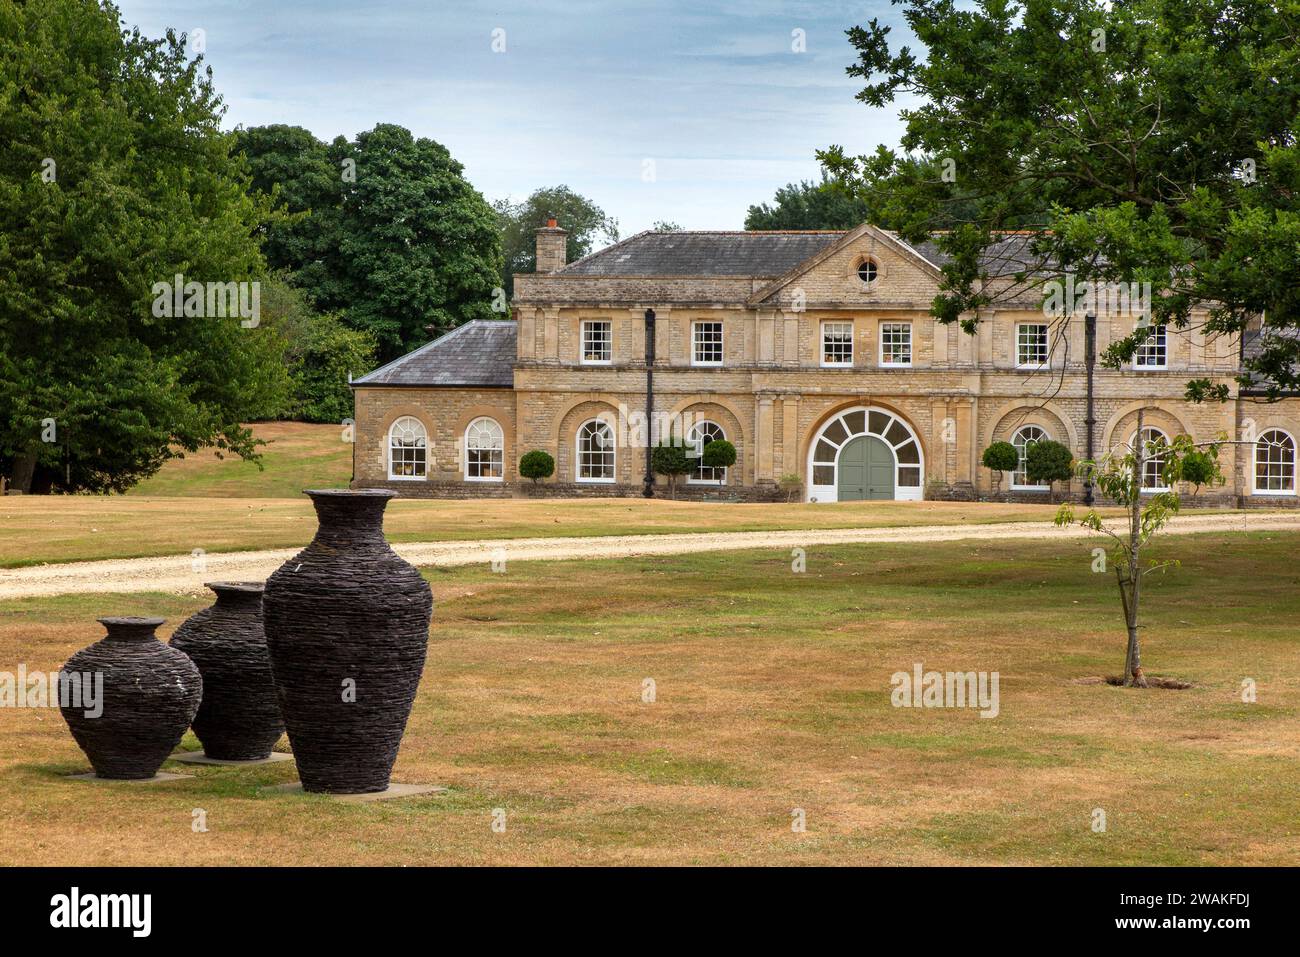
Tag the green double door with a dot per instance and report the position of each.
(866, 470)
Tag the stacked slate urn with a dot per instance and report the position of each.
(150, 695)
(239, 718)
(347, 626)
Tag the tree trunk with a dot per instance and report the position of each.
(1133, 659)
(23, 469)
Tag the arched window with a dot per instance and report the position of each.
(1154, 442)
(408, 449)
(1022, 440)
(700, 435)
(485, 451)
(1275, 464)
(595, 452)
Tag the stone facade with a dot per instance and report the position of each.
(773, 394)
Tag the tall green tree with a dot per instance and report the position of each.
(1151, 141)
(586, 222)
(115, 177)
(383, 229)
(808, 205)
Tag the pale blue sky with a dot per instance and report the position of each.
(584, 93)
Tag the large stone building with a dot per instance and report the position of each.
(813, 353)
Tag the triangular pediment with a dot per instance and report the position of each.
(832, 275)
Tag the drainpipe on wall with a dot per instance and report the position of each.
(649, 490)
(1089, 419)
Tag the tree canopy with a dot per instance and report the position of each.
(1149, 141)
(808, 205)
(384, 229)
(115, 177)
(586, 222)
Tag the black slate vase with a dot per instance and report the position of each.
(239, 718)
(151, 693)
(347, 625)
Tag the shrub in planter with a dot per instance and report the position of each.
(537, 465)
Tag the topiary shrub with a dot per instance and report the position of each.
(1198, 468)
(1048, 461)
(537, 465)
(672, 461)
(1001, 457)
(718, 454)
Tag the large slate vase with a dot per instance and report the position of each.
(347, 625)
(151, 693)
(239, 718)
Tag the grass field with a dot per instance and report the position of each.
(773, 693)
(36, 529)
(297, 455)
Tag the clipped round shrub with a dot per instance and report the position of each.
(718, 454)
(1048, 461)
(671, 460)
(1001, 457)
(1198, 468)
(537, 465)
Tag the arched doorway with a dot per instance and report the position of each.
(865, 453)
(866, 470)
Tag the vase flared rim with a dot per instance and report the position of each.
(129, 620)
(242, 588)
(353, 493)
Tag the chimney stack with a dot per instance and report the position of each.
(551, 253)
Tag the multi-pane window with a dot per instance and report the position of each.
(485, 450)
(407, 449)
(595, 452)
(1154, 446)
(868, 271)
(895, 343)
(837, 343)
(1031, 345)
(1153, 352)
(597, 341)
(1275, 463)
(1022, 440)
(706, 344)
(700, 435)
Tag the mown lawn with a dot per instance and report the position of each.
(36, 529)
(297, 455)
(772, 693)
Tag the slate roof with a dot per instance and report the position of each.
(758, 254)
(762, 254)
(1010, 254)
(478, 354)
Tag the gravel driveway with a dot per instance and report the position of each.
(180, 573)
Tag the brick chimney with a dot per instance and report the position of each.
(551, 254)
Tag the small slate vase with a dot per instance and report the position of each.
(239, 718)
(347, 625)
(151, 693)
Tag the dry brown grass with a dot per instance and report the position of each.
(36, 529)
(772, 694)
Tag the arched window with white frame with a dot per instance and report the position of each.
(1025, 437)
(595, 452)
(1275, 463)
(700, 435)
(1154, 442)
(485, 451)
(408, 447)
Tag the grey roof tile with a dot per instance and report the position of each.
(761, 254)
(480, 353)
